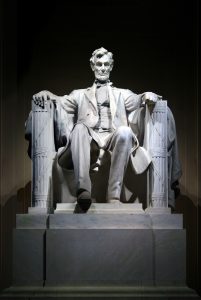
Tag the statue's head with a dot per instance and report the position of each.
(101, 64)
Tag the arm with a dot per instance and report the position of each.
(134, 101)
(67, 102)
(43, 96)
(135, 106)
(65, 108)
(150, 98)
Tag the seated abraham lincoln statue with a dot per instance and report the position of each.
(105, 118)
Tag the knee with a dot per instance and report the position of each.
(79, 128)
(124, 133)
(80, 131)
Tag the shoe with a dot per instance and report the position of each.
(84, 200)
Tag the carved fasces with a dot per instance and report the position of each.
(155, 142)
(43, 152)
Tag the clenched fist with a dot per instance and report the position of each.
(151, 98)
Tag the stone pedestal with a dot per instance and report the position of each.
(111, 245)
(29, 250)
(99, 257)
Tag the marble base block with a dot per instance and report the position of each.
(127, 249)
(170, 256)
(99, 256)
(28, 257)
(99, 249)
(31, 221)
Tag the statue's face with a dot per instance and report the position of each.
(102, 68)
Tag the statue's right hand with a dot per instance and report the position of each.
(42, 97)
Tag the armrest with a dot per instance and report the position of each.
(41, 127)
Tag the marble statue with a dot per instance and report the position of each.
(136, 129)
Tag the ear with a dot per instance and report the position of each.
(92, 67)
(111, 67)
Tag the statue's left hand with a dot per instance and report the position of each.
(151, 98)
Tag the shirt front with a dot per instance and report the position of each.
(103, 127)
(104, 111)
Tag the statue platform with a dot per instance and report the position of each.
(110, 245)
(112, 251)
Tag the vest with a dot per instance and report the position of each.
(104, 123)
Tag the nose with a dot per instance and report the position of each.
(103, 67)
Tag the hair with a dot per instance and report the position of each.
(98, 53)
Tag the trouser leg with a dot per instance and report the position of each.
(80, 149)
(120, 145)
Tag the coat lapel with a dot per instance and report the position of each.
(91, 95)
(113, 106)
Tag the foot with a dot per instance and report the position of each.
(84, 200)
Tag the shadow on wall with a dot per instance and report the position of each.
(185, 206)
(17, 204)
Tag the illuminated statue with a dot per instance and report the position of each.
(105, 119)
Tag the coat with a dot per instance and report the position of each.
(82, 104)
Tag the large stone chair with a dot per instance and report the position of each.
(47, 128)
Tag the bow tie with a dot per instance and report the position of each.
(101, 84)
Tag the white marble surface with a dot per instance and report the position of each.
(99, 208)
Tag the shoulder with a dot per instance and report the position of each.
(125, 92)
(78, 92)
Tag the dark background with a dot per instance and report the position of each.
(48, 46)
